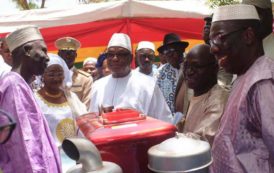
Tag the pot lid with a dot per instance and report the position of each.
(180, 153)
(183, 145)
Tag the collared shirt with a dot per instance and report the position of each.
(81, 85)
(244, 142)
(205, 111)
(31, 148)
(136, 91)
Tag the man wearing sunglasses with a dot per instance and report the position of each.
(81, 80)
(244, 141)
(127, 89)
(30, 148)
(173, 48)
(145, 55)
(207, 104)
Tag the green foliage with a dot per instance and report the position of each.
(215, 3)
(32, 5)
(25, 4)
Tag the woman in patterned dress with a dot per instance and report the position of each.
(59, 105)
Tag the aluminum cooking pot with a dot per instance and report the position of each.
(180, 154)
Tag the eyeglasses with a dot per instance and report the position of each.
(195, 67)
(169, 51)
(7, 125)
(149, 56)
(220, 38)
(111, 55)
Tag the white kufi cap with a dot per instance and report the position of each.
(259, 3)
(121, 40)
(21, 36)
(90, 60)
(235, 12)
(146, 44)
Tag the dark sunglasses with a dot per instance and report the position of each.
(111, 55)
(169, 51)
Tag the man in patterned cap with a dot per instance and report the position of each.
(124, 88)
(31, 147)
(81, 80)
(244, 141)
(264, 9)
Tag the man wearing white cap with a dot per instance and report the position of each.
(89, 66)
(31, 147)
(244, 142)
(145, 54)
(81, 80)
(125, 89)
(264, 9)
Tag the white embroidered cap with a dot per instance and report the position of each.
(121, 40)
(23, 35)
(145, 44)
(235, 12)
(259, 3)
(90, 60)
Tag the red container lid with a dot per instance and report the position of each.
(134, 129)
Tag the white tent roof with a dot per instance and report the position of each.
(102, 11)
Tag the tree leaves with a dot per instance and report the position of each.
(216, 3)
(28, 4)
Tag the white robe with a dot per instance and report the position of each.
(61, 117)
(154, 73)
(136, 91)
(268, 43)
(4, 67)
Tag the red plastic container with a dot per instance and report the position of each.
(126, 142)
